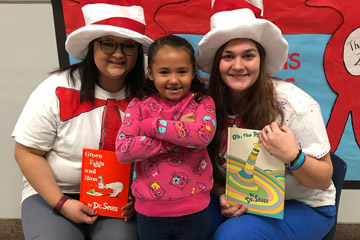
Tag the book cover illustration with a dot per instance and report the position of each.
(104, 182)
(253, 176)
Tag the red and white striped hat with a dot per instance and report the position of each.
(242, 19)
(120, 18)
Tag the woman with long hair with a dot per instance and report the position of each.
(241, 52)
(77, 107)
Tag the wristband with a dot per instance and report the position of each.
(297, 156)
(60, 203)
(297, 162)
(300, 163)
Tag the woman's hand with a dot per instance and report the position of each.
(78, 212)
(129, 209)
(228, 211)
(279, 141)
(35, 168)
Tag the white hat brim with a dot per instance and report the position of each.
(262, 31)
(78, 41)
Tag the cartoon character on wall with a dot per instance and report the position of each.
(342, 69)
(160, 16)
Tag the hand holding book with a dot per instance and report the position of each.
(279, 141)
(105, 184)
(226, 210)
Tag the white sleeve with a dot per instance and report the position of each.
(310, 132)
(37, 124)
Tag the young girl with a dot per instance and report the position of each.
(166, 133)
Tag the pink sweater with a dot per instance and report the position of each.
(173, 172)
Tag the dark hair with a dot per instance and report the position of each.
(176, 42)
(89, 75)
(258, 107)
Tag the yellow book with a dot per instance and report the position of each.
(253, 176)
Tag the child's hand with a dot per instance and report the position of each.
(189, 117)
(228, 211)
(129, 210)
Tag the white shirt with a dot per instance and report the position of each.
(39, 126)
(302, 114)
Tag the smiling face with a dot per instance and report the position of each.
(114, 67)
(172, 72)
(239, 65)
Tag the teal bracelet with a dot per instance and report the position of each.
(297, 162)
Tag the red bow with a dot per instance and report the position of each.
(236, 121)
(230, 123)
(71, 107)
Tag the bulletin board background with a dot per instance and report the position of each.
(324, 54)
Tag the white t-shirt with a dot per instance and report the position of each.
(302, 114)
(62, 128)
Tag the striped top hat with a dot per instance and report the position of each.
(120, 18)
(242, 19)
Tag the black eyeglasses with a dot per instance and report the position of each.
(109, 47)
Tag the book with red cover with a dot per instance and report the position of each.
(105, 182)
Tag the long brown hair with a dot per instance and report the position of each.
(258, 107)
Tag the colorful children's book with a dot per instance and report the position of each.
(253, 176)
(104, 182)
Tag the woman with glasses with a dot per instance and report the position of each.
(77, 107)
